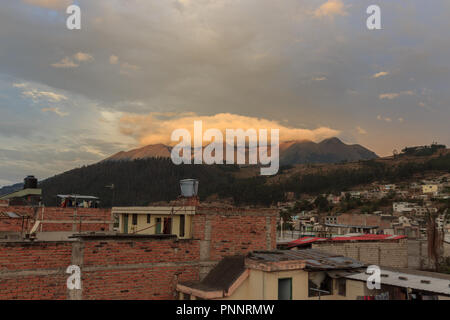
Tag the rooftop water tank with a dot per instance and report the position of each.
(30, 182)
(189, 187)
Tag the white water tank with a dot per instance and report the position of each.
(189, 187)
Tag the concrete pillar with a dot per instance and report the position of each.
(205, 249)
(77, 259)
(268, 233)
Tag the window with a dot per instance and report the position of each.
(158, 226)
(319, 284)
(182, 222)
(148, 218)
(125, 223)
(116, 221)
(342, 286)
(285, 289)
(134, 219)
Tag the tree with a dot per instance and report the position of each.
(322, 204)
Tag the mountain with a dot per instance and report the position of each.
(12, 188)
(330, 150)
(142, 181)
(150, 151)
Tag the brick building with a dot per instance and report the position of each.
(382, 250)
(382, 222)
(130, 266)
(19, 220)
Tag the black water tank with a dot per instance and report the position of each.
(30, 182)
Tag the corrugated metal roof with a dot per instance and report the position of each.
(364, 237)
(77, 196)
(336, 225)
(10, 214)
(429, 282)
(313, 259)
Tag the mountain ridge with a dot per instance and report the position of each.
(291, 152)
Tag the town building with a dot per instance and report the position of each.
(379, 249)
(407, 284)
(310, 275)
(430, 188)
(276, 275)
(139, 264)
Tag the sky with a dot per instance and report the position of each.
(139, 69)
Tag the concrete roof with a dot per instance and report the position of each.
(22, 193)
(163, 210)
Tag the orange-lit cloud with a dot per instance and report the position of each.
(158, 127)
(50, 4)
(330, 9)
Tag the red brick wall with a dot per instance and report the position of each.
(22, 266)
(233, 235)
(137, 269)
(13, 225)
(34, 255)
(122, 252)
(58, 219)
(235, 230)
(50, 287)
(131, 268)
(362, 220)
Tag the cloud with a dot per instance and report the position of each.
(391, 96)
(56, 111)
(388, 119)
(69, 62)
(19, 85)
(330, 9)
(50, 4)
(127, 68)
(114, 59)
(46, 95)
(65, 63)
(320, 79)
(361, 130)
(156, 127)
(380, 74)
(83, 57)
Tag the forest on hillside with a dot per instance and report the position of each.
(141, 182)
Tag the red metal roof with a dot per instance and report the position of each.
(365, 237)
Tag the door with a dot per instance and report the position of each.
(285, 289)
(182, 223)
(167, 226)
